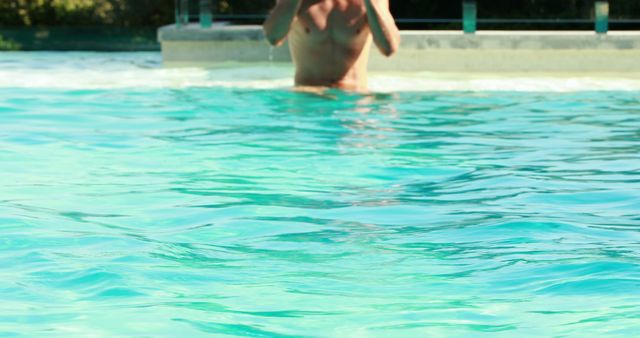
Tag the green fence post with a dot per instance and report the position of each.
(206, 19)
(184, 12)
(469, 16)
(177, 13)
(602, 16)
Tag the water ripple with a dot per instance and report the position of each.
(170, 210)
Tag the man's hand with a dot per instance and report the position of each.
(383, 27)
(278, 24)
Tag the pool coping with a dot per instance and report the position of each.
(438, 51)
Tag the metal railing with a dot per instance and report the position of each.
(469, 19)
(205, 13)
(602, 16)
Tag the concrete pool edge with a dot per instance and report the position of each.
(426, 51)
(144, 71)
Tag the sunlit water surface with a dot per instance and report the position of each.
(142, 202)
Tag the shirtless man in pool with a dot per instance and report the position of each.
(330, 39)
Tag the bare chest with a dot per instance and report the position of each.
(335, 19)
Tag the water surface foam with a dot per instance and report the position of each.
(145, 70)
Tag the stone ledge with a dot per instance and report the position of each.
(218, 32)
(445, 51)
(435, 39)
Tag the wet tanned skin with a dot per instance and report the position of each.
(330, 39)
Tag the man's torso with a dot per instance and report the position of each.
(330, 42)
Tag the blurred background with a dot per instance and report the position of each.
(131, 24)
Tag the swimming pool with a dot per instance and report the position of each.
(139, 201)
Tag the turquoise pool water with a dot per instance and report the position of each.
(141, 202)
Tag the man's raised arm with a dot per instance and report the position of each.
(383, 27)
(278, 24)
